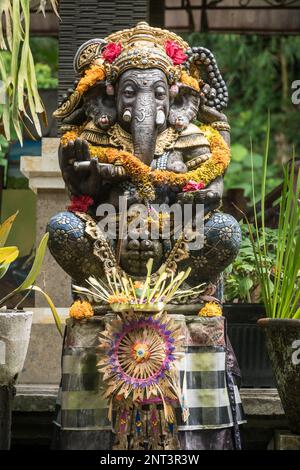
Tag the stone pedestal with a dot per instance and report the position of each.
(45, 180)
(284, 440)
(44, 348)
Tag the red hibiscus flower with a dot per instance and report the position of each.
(111, 51)
(175, 52)
(80, 203)
(193, 186)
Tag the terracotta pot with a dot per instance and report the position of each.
(283, 344)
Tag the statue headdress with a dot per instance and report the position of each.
(146, 47)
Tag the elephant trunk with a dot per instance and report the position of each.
(144, 128)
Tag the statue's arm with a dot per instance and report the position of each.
(78, 182)
(211, 195)
(219, 121)
(92, 180)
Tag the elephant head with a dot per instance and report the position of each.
(100, 107)
(95, 105)
(145, 104)
(142, 100)
(184, 107)
(142, 86)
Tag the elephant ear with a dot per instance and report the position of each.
(71, 110)
(215, 93)
(88, 53)
(184, 107)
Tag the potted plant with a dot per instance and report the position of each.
(280, 288)
(15, 327)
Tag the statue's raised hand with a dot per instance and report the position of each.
(84, 181)
(83, 174)
(208, 115)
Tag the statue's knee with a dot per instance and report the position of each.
(223, 232)
(64, 228)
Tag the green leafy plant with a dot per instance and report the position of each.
(44, 76)
(280, 287)
(10, 254)
(19, 82)
(3, 161)
(241, 282)
(251, 94)
(239, 172)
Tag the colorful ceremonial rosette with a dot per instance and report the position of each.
(138, 361)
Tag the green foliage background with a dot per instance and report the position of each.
(259, 71)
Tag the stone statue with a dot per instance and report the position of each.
(132, 127)
(144, 125)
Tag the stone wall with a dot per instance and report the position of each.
(46, 181)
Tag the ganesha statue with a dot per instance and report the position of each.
(144, 127)
(144, 121)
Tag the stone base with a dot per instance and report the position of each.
(42, 364)
(285, 440)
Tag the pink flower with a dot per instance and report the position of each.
(111, 51)
(80, 203)
(193, 186)
(175, 52)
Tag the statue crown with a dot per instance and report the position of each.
(144, 47)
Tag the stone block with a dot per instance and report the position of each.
(45, 180)
(284, 440)
(42, 364)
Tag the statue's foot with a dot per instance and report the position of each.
(136, 253)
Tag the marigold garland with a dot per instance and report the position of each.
(90, 78)
(187, 79)
(145, 178)
(210, 309)
(81, 309)
(97, 72)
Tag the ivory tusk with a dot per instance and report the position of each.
(160, 117)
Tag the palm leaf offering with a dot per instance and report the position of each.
(121, 292)
(139, 351)
(280, 285)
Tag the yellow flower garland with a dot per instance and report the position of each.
(210, 309)
(146, 179)
(81, 309)
(187, 79)
(97, 73)
(91, 76)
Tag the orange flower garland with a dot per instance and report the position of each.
(97, 72)
(187, 79)
(145, 178)
(210, 309)
(90, 78)
(118, 299)
(81, 310)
